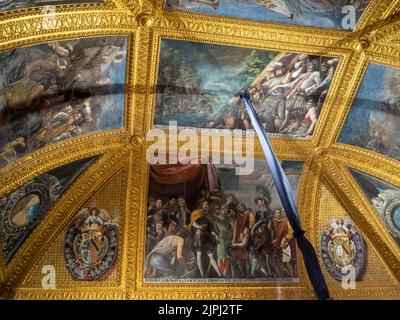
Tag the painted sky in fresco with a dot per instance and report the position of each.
(261, 176)
(374, 118)
(253, 10)
(215, 73)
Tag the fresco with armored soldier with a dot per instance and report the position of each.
(206, 222)
(199, 86)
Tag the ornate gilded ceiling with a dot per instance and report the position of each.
(83, 82)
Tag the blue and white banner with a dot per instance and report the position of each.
(288, 202)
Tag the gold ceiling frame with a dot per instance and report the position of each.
(196, 31)
(55, 222)
(376, 14)
(336, 158)
(106, 5)
(351, 196)
(55, 156)
(284, 146)
(83, 289)
(111, 145)
(366, 161)
(366, 290)
(139, 289)
(145, 24)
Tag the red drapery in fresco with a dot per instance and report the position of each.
(174, 173)
(183, 180)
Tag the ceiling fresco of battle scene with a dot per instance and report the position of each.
(55, 91)
(199, 85)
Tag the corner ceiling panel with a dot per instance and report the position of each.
(374, 119)
(6, 5)
(343, 249)
(22, 209)
(54, 91)
(108, 201)
(385, 199)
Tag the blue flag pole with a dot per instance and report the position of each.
(288, 202)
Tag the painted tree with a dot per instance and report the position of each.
(253, 64)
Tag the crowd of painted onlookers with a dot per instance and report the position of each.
(221, 238)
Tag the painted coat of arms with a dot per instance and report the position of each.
(91, 244)
(343, 248)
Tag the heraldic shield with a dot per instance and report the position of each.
(91, 245)
(343, 248)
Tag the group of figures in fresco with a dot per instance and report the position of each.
(218, 240)
(55, 91)
(288, 100)
(323, 13)
(199, 86)
(220, 237)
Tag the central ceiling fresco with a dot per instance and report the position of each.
(85, 85)
(199, 86)
(320, 13)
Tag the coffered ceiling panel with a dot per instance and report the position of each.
(317, 13)
(54, 91)
(6, 5)
(374, 119)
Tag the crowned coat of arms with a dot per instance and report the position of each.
(91, 245)
(343, 248)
